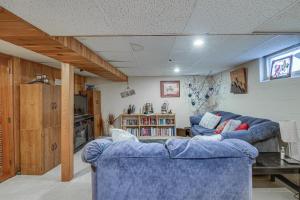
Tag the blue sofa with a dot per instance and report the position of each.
(175, 170)
(262, 133)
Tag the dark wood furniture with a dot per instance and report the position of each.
(39, 127)
(271, 164)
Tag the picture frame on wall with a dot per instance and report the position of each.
(281, 68)
(239, 83)
(169, 89)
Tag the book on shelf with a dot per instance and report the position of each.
(133, 131)
(166, 121)
(148, 120)
(130, 122)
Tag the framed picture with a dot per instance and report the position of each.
(281, 68)
(169, 89)
(238, 81)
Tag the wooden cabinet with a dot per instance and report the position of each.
(39, 127)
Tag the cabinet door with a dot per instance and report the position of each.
(56, 142)
(56, 102)
(47, 106)
(48, 149)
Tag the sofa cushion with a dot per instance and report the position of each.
(133, 149)
(251, 120)
(199, 130)
(226, 115)
(210, 120)
(192, 149)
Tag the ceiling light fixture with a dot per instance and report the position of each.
(198, 43)
(176, 70)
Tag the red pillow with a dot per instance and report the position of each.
(243, 126)
(220, 128)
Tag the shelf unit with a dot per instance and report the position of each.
(149, 125)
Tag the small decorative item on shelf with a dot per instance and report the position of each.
(131, 109)
(164, 108)
(40, 79)
(148, 108)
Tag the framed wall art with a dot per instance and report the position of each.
(169, 89)
(239, 81)
(281, 68)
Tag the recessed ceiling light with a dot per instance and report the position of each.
(198, 42)
(176, 69)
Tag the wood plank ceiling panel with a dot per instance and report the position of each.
(62, 48)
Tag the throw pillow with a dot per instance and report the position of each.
(209, 120)
(122, 135)
(243, 126)
(220, 127)
(231, 125)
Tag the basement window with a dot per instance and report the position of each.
(282, 64)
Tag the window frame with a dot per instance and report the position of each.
(265, 70)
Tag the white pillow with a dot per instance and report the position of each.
(121, 135)
(231, 125)
(216, 137)
(209, 120)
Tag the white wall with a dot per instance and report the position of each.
(276, 99)
(147, 90)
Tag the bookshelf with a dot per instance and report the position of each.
(149, 125)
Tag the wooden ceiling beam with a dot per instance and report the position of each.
(62, 48)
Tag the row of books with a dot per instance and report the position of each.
(130, 122)
(148, 120)
(164, 121)
(133, 131)
(158, 132)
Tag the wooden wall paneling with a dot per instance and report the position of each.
(6, 111)
(67, 122)
(16, 112)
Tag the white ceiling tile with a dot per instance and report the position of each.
(116, 55)
(156, 50)
(233, 16)
(61, 17)
(106, 43)
(142, 17)
(129, 64)
(288, 21)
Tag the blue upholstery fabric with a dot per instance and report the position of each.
(260, 130)
(177, 170)
(202, 131)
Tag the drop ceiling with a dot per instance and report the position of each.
(130, 34)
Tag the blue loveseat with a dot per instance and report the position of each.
(177, 170)
(262, 133)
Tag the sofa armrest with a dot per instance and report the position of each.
(195, 120)
(93, 150)
(264, 131)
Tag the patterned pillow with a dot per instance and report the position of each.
(209, 120)
(221, 127)
(231, 125)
